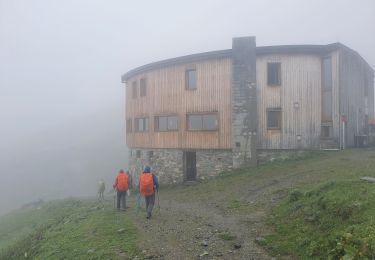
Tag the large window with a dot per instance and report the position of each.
(129, 126)
(166, 123)
(143, 87)
(141, 124)
(134, 89)
(274, 118)
(274, 74)
(202, 121)
(327, 90)
(191, 79)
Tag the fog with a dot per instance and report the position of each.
(61, 99)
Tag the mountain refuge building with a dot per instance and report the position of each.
(195, 116)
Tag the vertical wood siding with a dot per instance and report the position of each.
(300, 82)
(353, 103)
(166, 94)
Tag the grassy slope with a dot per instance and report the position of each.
(69, 229)
(323, 209)
(329, 221)
(332, 217)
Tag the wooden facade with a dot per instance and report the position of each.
(298, 97)
(166, 94)
(356, 94)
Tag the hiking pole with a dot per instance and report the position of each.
(138, 202)
(114, 198)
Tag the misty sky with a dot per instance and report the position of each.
(61, 61)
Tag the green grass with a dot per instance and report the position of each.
(330, 213)
(330, 221)
(327, 212)
(69, 229)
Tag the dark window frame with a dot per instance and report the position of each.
(156, 123)
(270, 80)
(202, 114)
(279, 119)
(188, 83)
(134, 89)
(326, 91)
(145, 124)
(142, 87)
(327, 127)
(129, 126)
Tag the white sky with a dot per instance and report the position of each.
(62, 59)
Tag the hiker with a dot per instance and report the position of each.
(121, 185)
(148, 184)
(101, 189)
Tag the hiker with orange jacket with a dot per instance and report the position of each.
(121, 185)
(148, 184)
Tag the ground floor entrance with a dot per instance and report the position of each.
(190, 166)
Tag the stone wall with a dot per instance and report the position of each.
(244, 102)
(168, 163)
(211, 163)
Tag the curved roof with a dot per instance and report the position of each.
(282, 49)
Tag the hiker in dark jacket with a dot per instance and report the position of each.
(148, 184)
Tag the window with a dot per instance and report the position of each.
(202, 122)
(150, 154)
(141, 124)
(129, 126)
(274, 118)
(191, 79)
(326, 131)
(134, 89)
(143, 87)
(274, 74)
(138, 154)
(166, 123)
(327, 89)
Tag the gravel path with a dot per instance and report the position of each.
(206, 229)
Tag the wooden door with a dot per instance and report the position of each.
(190, 166)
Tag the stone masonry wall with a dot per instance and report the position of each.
(168, 163)
(211, 163)
(244, 102)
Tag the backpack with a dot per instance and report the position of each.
(146, 184)
(122, 182)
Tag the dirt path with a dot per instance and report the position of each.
(207, 229)
(194, 231)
